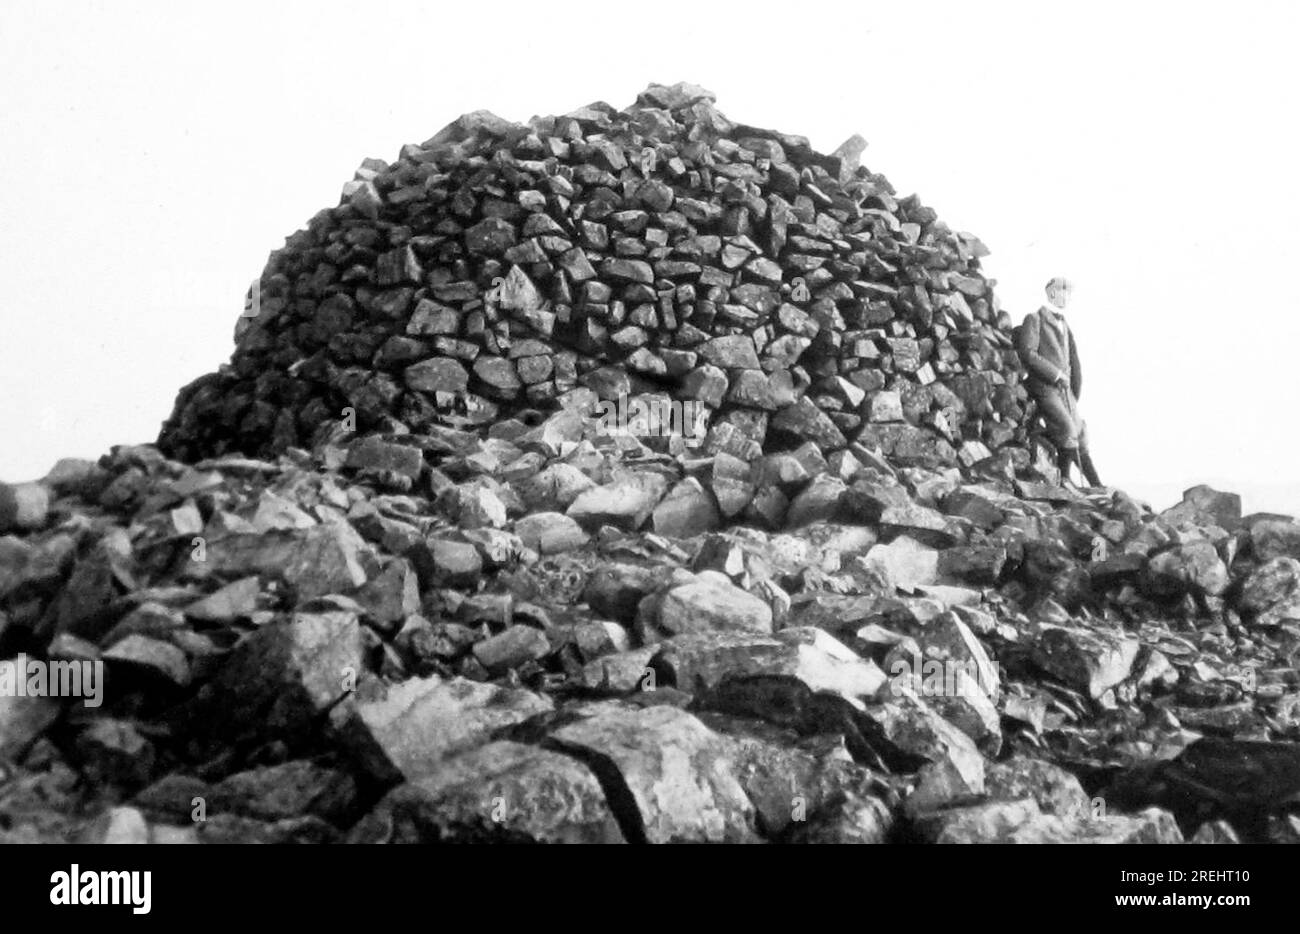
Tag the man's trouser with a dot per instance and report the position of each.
(1061, 414)
(1067, 430)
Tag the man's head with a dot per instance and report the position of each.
(1059, 290)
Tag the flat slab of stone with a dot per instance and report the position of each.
(317, 561)
(709, 603)
(666, 774)
(799, 796)
(422, 721)
(625, 503)
(807, 656)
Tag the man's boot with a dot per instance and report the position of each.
(1064, 458)
(1086, 465)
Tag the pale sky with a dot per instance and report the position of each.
(153, 154)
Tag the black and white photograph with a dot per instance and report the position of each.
(696, 423)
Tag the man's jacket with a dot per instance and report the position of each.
(1047, 350)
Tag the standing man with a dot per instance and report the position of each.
(1048, 351)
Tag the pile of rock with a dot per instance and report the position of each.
(388, 577)
(662, 250)
(556, 647)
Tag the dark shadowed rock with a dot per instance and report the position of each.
(1092, 660)
(1194, 568)
(502, 792)
(288, 673)
(1271, 593)
(22, 720)
(290, 789)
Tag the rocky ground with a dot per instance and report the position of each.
(389, 576)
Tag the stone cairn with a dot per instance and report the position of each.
(439, 556)
(500, 269)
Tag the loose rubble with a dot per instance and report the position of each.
(439, 556)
